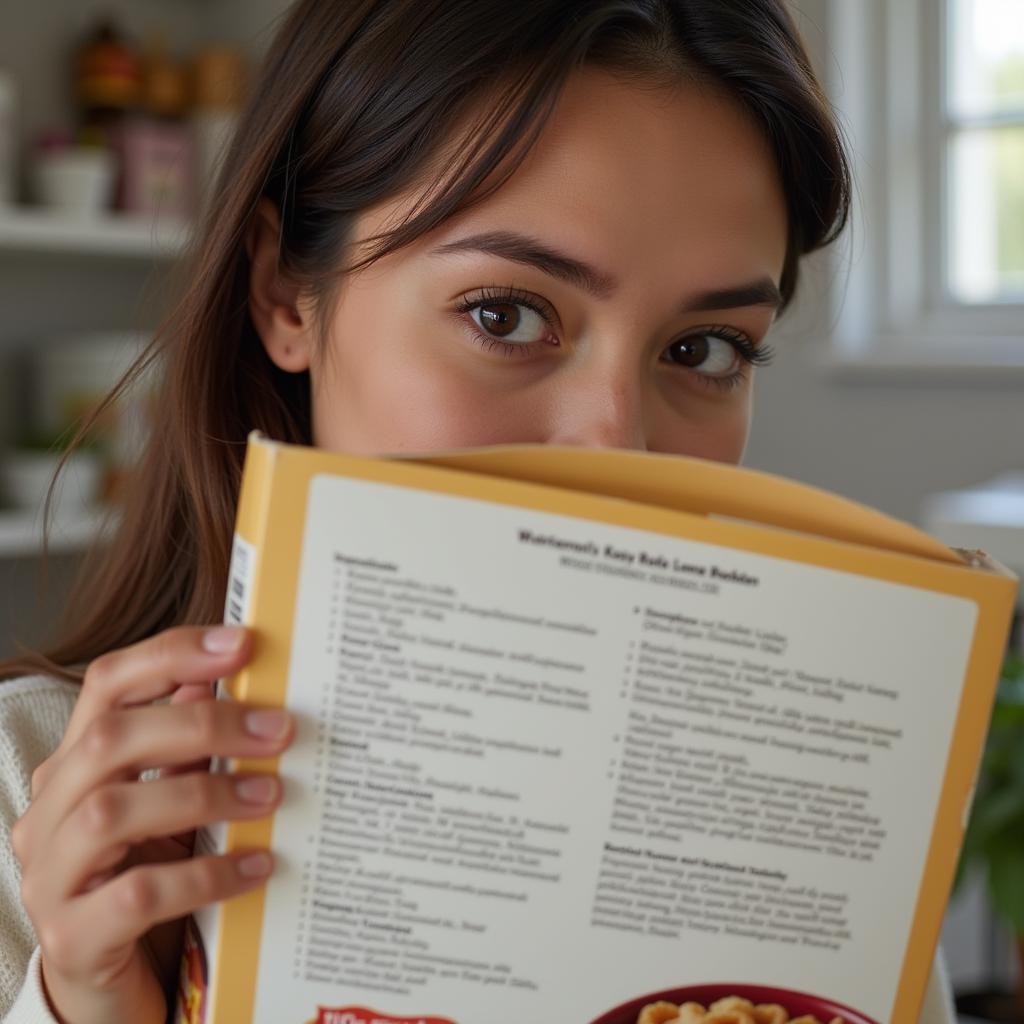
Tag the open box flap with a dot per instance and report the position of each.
(701, 487)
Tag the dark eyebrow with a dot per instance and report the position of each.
(531, 252)
(757, 293)
(522, 249)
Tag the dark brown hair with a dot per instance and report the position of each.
(354, 102)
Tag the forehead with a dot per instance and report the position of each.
(643, 178)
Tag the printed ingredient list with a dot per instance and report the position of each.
(548, 764)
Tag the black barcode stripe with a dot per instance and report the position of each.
(238, 582)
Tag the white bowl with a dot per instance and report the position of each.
(78, 181)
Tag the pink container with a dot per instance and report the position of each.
(157, 173)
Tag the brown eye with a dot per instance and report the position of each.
(689, 351)
(708, 353)
(512, 322)
(500, 318)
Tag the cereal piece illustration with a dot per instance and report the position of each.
(692, 1013)
(658, 1013)
(732, 1004)
(730, 1010)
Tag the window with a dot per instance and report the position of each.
(931, 94)
(984, 150)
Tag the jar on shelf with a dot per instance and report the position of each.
(155, 145)
(220, 83)
(77, 180)
(108, 83)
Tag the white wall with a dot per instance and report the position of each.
(886, 441)
(248, 23)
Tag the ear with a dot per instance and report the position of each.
(283, 322)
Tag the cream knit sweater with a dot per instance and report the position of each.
(33, 715)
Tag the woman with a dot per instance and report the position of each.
(442, 223)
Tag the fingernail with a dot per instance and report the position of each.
(256, 790)
(268, 725)
(255, 865)
(223, 639)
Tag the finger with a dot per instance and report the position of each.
(119, 744)
(185, 695)
(92, 928)
(154, 668)
(113, 818)
(193, 691)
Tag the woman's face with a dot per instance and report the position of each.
(606, 295)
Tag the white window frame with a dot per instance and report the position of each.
(884, 73)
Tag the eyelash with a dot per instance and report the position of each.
(749, 353)
(509, 296)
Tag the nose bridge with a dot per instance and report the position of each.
(604, 407)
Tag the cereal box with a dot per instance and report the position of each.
(594, 736)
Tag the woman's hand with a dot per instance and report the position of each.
(107, 871)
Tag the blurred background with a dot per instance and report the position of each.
(899, 379)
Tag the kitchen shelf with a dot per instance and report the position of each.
(21, 533)
(34, 229)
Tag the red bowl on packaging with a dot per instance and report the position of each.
(796, 1003)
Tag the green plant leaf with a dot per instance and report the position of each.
(995, 832)
(1006, 882)
(1013, 669)
(970, 855)
(1008, 713)
(995, 812)
(1015, 762)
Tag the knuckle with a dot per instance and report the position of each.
(199, 794)
(168, 648)
(101, 811)
(29, 893)
(100, 671)
(39, 777)
(205, 721)
(102, 736)
(207, 880)
(20, 840)
(138, 893)
(163, 647)
(57, 942)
